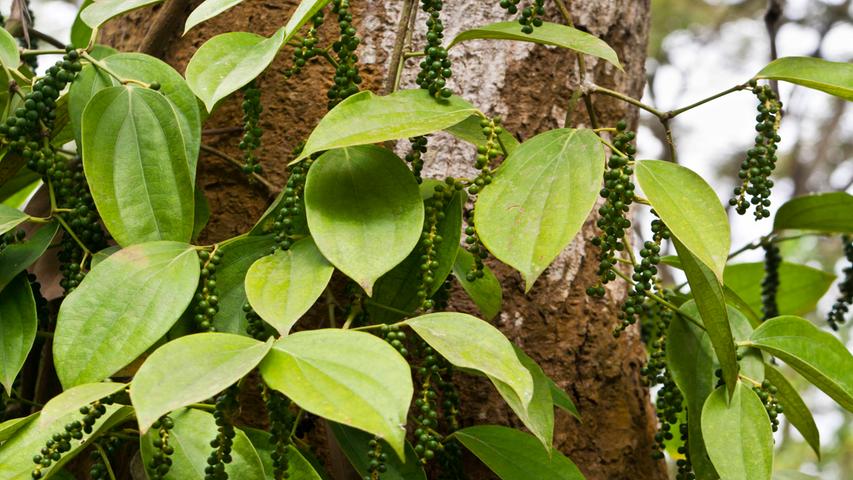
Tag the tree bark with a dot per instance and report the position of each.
(528, 85)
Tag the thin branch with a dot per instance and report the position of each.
(106, 460)
(38, 35)
(772, 18)
(221, 131)
(166, 24)
(396, 65)
(263, 181)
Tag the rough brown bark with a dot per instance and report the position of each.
(568, 333)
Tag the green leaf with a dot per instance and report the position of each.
(16, 257)
(191, 438)
(18, 324)
(814, 354)
(9, 427)
(471, 131)
(11, 218)
(364, 211)
(237, 256)
(538, 416)
(689, 208)
(144, 68)
(796, 410)
(399, 287)
(135, 161)
(792, 475)
(9, 56)
(80, 32)
(737, 434)
(708, 293)
(547, 34)
(158, 387)
(201, 215)
(469, 342)
(102, 10)
(834, 78)
(539, 199)
(562, 400)
(104, 254)
(515, 455)
(353, 443)
(298, 468)
(800, 286)
(485, 292)
(229, 61)
(281, 287)
(122, 307)
(20, 184)
(207, 10)
(691, 362)
(72, 399)
(365, 118)
(17, 453)
(822, 212)
(324, 372)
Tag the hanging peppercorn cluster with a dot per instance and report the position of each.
(255, 325)
(760, 160)
(161, 460)
(206, 300)
(375, 459)
(281, 424)
(251, 128)
(415, 156)
(426, 406)
(668, 404)
(435, 67)
(395, 337)
(226, 406)
(643, 276)
(431, 240)
(842, 304)
(770, 282)
(531, 15)
(618, 194)
(654, 325)
(60, 442)
(347, 78)
(307, 48)
(99, 469)
(11, 237)
(486, 154)
(685, 468)
(767, 393)
(293, 205)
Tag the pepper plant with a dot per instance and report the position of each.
(158, 340)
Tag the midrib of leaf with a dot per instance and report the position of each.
(140, 164)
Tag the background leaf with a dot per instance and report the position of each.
(158, 387)
(538, 416)
(237, 256)
(16, 257)
(563, 400)
(11, 218)
(323, 372)
(135, 161)
(9, 55)
(297, 466)
(75, 397)
(539, 199)
(364, 211)
(834, 78)
(18, 324)
(737, 434)
(485, 292)
(102, 10)
(281, 287)
(353, 442)
(796, 410)
(547, 34)
(800, 286)
(471, 131)
(121, 308)
(822, 212)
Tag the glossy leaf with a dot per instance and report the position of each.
(471, 131)
(538, 416)
(547, 34)
(298, 468)
(469, 342)
(834, 78)
(17, 453)
(281, 287)
(210, 362)
(689, 208)
(135, 161)
(100, 11)
(9, 55)
(486, 292)
(364, 211)
(708, 293)
(822, 212)
(201, 214)
(515, 455)
(737, 434)
(122, 307)
(80, 32)
(399, 287)
(365, 118)
(15, 258)
(75, 397)
(191, 438)
(800, 286)
(207, 10)
(11, 218)
(814, 354)
(323, 371)
(18, 324)
(9, 427)
(237, 257)
(796, 410)
(562, 400)
(229, 61)
(539, 199)
(353, 442)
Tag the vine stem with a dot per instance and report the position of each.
(661, 301)
(392, 82)
(587, 100)
(101, 65)
(39, 35)
(106, 460)
(32, 53)
(296, 423)
(263, 181)
(62, 222)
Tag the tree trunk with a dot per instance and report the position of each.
(568, 333)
